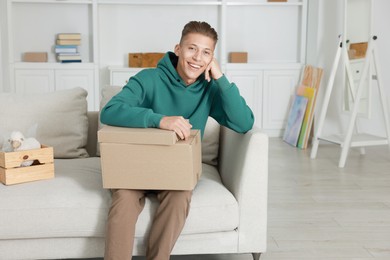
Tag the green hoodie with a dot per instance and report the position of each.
(158, 92)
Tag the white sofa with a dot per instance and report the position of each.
(65, 217)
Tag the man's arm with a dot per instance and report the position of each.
(229, 108)
(125, 109)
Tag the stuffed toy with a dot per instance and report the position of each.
(19, 143)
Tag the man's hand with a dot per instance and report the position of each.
(179, 124)
(213, 70)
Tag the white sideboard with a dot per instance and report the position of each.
(266, 88)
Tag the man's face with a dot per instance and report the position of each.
(195, 53)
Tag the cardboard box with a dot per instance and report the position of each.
(35, 57)
(144, 60)
(11, 171)
(238, 57)
(357, 50)
(149, 159)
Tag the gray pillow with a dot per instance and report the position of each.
(60, 118)
(210, 142)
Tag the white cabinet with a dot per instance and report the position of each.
(250, 83)
(46, 78)
(267, 90)
(279, 86)
(119, 76)
(34, 81)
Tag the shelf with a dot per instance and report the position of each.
(264, 3)
(54, 65)
(264, 65)
(154, 3)
(358, 140)
(53, 1)
(214, 3)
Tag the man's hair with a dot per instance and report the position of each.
(201, 28)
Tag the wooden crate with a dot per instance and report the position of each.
(357, 50)
(145, 60)
(12, 173)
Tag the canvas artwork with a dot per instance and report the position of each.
(294, 121)
(309, 93)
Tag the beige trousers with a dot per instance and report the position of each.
(167, 224)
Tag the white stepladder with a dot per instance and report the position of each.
(351, 139)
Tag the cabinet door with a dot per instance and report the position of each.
(249, 82)
(279, 86)
(120, 77)
(67, 79)
(29, 81)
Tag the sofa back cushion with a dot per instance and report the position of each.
(210, 141)
(60, 118)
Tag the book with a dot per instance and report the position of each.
(69, 36)
(71, 57)
(70, 61)
(65, 49)
(309, 93)
(294, 121)
(68, 42)
(68, 54)
(68, 57)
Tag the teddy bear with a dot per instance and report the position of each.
(19, 143)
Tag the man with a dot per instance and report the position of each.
(181, 93)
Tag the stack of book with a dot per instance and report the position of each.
(66, 47)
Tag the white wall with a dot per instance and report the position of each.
(1, 62)
(326, 22)
(1, 49)
(4, 79)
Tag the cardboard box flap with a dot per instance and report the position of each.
(191, 140)
(126, 135)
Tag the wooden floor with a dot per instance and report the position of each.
(319, 211)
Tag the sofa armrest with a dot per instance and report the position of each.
(243, 165)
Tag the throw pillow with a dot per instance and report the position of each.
(60, 118)
(210, 141)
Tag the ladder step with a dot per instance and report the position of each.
(358, 140)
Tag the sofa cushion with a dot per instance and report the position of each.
(213, 207)
(210, 141)
(73, 204)
(60, 118)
